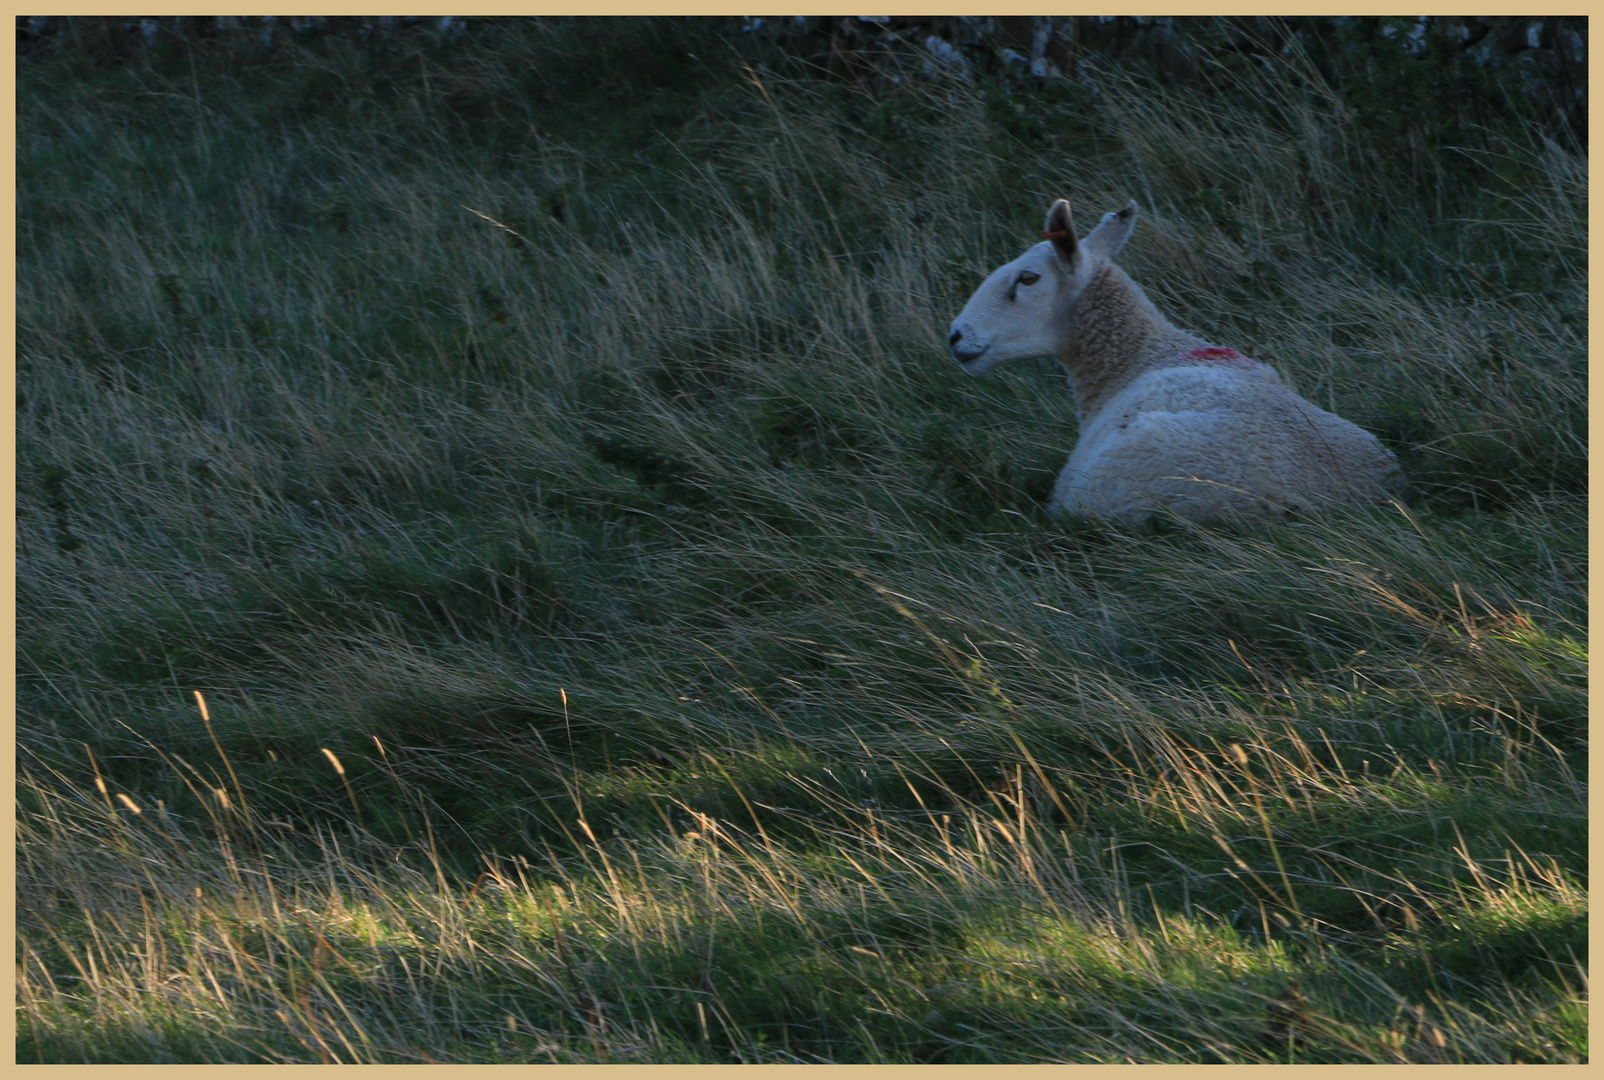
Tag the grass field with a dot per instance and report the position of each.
(508, 571)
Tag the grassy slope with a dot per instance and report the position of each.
(627, 637)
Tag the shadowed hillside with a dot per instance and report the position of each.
(509, 572)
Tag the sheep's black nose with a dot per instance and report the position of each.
(956, 337)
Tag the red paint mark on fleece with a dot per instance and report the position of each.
(1216, 354)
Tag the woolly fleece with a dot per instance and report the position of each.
(1166, 419)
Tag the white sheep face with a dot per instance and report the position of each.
(1017, 313)
(1010, 317)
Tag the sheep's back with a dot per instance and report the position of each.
(1215, 442)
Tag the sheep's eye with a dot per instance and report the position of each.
(1029, 278)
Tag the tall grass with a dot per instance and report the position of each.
(627, 638)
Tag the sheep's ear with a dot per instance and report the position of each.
(1111, 233)
(1061, 231)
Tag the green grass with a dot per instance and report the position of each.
(626, 636)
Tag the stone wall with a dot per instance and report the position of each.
(1541, 60)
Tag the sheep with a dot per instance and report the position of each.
(1168, 421)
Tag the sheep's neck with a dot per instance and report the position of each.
(1113, 333)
